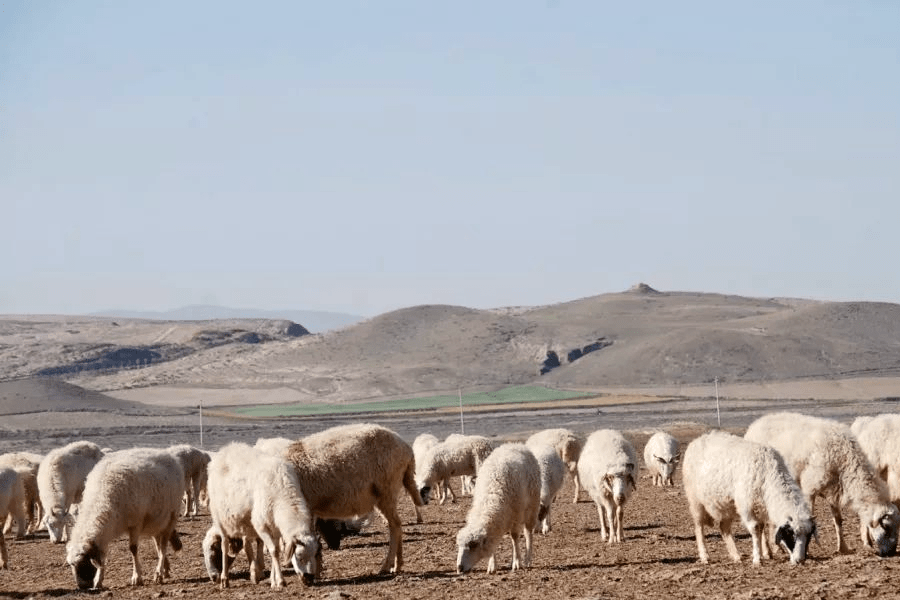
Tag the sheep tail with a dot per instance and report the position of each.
(409, 482)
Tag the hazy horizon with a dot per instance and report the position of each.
(359, 158)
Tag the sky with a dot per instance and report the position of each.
(367, 156)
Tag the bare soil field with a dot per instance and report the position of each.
(657, 559)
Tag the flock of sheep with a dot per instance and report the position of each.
(288, 496)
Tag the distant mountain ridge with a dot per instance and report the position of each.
(316, 321)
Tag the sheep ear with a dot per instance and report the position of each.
(785, 536)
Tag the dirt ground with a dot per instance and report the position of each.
(657, 559)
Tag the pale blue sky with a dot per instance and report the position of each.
(366, 156)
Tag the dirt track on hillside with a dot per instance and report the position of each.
(657, 559)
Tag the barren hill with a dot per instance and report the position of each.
(638, 337)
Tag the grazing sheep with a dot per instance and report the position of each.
(727, 477)
(553, 472)
(879, 437)
(61, 479)
(607, 468)
(826, 460)
(568, 445)
(506, 499)
(194, 463)
(349, 470)
(137, 492)
(12, 503)
(421, 445)
(256, 496)
(457, 455)
(661, 457)
(27, 464)
(331, 530)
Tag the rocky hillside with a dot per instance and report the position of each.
(638, 337)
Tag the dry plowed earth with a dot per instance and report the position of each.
(657, 559)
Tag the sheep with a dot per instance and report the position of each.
(727, 477)
(553, 472)
(421, 445)
(826, 460)
(457, 455)
(568, 445)
(661, 457)
(506, 499)
(879, 437)
(194, 463)
(350, 469)
(61, 479)
(12, 503)
(256, 496)
(138, 492)
(27, 464)
(331, 530)
(607, 468)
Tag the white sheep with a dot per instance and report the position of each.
(607, 468)
(27, 464)
(350, 469)
(256, 496)
(879, 437)
(568, 445)
(826, 460)
(12, 503)
(194, 463)
(661, 457)
(457, 455)
(61, 479)
(138, 492)
(727, 477)
(422, 444)
(506, 500)
(553, 473)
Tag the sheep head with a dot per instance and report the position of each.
(212, 554)
(87, 565)
(620, 484)
(794, 536)
(666, 466)
(880, 531)
(473, 545)
(306, 557)
(57, 520)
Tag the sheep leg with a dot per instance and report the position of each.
(765, 537)
(162, 563)
(4, 557)
(728, 538)
(613, 525)
(838, 530)
(226, 561)
(515, 563)
(137, 577)
(492, 565)
(529, 540)
(701, 546)
(394, 559)
(577, 486)
(757, 536)
(274, 548)
(255, 556)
